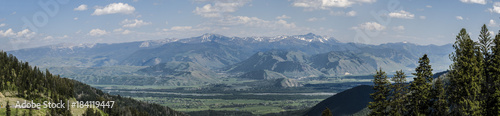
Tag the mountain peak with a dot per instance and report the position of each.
(210, 35)
(207, 37)
(310, 34)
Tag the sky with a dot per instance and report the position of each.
(34, 23)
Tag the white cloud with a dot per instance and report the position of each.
(423, 17)
(283, 17)
(399, 28)
(48, 38)
(2, 25)
(122, 31)
(115, 8)
(351, 13)
(97, 32)
(26, 33)
(166, 22)
(483, 2)
(370, 26)
(492, 23)
(134, 23)
(218, 8)
(496, 8)
(181, 28)
(428, 6)
(118, 30)
(257, 22)
(491, 32)
(402, 14)
(342, 13)
(316, 19)
(76, 18)
(459, 18)
(325, 4)
(126, 32)
(81, 8)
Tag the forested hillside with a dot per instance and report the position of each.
(471, 87)
(18, 80)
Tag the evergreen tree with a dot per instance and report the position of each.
(381, 86)
(420, 87)
(438, 96)
(465, 77)
(7, 109)
(485, 44)
(494, 69)
(326, 112)
(398, 96)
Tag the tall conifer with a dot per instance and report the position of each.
(381, 86)
(465, 77)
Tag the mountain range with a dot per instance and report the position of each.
(208, 56)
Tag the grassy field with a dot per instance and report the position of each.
(251, 105)
(222, 97)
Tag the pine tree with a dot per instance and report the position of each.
(381, 86)
(7, 109)
(419, 98)
(398, 96)
(494, 69)
(465, 77)
(438, 96)
(485, 44)
(326, 112)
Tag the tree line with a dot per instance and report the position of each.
(472, 86)
(20, 79)
(27, 82)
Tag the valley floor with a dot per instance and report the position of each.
(224, 97)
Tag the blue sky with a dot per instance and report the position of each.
(26, 24)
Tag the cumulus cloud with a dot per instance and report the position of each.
(483, 2)
(399, 28)
(496, 8)
(97, 32)
(459, 18)
(491, 32)
(26, 33)
(325, 4)
(492, 23)
(256, 22)
(114, 8)
(134, 23)
(428, 6)
(370, 26)
(82, 7)
(48, 38)
(401, 14)
(2, 25)
(219, 7)
(181, 28)
(126, 32)
(351, 13)
(122, 31)
(283, 17)
(316, 19)
(342, 13)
